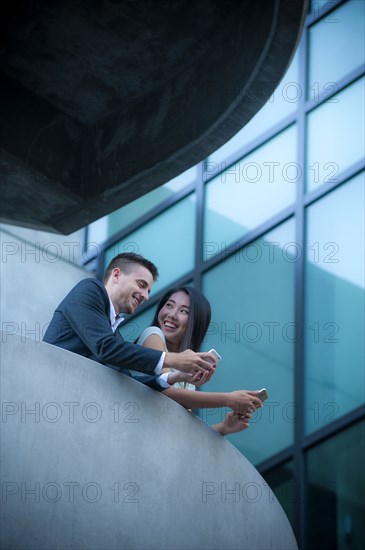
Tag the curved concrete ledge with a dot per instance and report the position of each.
(93, 459)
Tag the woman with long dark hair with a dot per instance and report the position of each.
(181, 321)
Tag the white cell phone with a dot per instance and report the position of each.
(263, 394)
(216, 354)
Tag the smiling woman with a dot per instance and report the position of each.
(184, 307)
(173, 319)
(181, 320)
(183, 315)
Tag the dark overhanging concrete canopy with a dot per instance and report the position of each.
(102, 102)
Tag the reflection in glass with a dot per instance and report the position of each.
(283, 102)
(317, 5)
(335, 136)
(97, 233)
(253, 329)
(168, 241)
(108, 226)
(336, 47)
(251, 191)
(336, 488)
(281, 481)
(334, 302)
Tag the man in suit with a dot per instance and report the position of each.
(86, 323)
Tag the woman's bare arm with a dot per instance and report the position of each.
(154, 341)
(240, 401)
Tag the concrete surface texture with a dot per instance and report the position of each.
(102, 102)
(92, 459)
(37, 270)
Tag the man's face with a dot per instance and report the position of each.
(128, 290)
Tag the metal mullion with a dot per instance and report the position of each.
(250, 237)
(85, 236)
(275, 461)
(342, 84)
(299, 365)
(326, 188)
(100, 265)
(200, 204)
(257, 142)
(333, 428)
(150, 215)
(313, 17)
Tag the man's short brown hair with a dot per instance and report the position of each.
(125, 263)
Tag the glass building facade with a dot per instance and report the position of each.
(271, 228)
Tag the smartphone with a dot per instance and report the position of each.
(216, 355)
(263, 394)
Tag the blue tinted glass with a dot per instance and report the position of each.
(107, 226)
(283, 102)
(336, 47)
(335, 136)
(317, 5)
(168, 241)
(335, 306)
(251, 191)
(253, 329)
(281, 481)
(336, 486)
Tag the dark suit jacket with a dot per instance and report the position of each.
(81, 324)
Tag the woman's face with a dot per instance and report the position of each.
(173, 319)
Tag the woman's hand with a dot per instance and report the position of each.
(198, 379)
(178, 376)
(201, 378)
(233, 423)
(243, 401)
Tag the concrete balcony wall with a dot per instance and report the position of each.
(37, 271)
(92, 459)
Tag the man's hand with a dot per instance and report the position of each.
(190, 362)
(243, 401)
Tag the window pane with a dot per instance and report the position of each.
(108, 226)
(97, 232)
(168, 241)
(317, 5)
(336, 47)
(281, 481)
(336, 135)
(252, 327)
(334, 302)
(281, 103)
(251, 191)
(336, 487)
